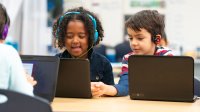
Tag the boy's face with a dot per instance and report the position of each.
(76, 40)
(140, 42)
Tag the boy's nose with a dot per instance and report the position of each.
(134, 43)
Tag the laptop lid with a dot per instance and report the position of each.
(167, 78)
(74, 79)
(44, 69)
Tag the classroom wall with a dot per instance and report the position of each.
(110, 12)
(182, 22)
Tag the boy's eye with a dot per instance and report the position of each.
(140, 38)
(130, 38)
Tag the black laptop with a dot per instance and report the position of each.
(44, 69)
(74, 79)
(164, 78)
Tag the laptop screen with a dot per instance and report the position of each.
(161, 78)
(44, 69)
(74, 79)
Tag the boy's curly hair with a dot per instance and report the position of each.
(150, 20)
(59, 36)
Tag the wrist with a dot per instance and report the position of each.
(110, 90)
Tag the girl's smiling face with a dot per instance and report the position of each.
(76, 40)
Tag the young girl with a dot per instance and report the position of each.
(78, 31)
(12, 74)
(145, 30)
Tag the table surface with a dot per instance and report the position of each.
(121, 104)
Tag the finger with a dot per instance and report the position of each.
(34, 83)
(31, 78)
(94, 89)
(93, 83)
(99, 84)
(96, 94)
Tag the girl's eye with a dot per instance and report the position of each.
(69, 36)
(82, 35)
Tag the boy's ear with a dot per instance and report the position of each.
(157, 39)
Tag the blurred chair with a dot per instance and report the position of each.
(122, 49)
(100, 49)
(18, 102)
(197, 78)
(197, 87)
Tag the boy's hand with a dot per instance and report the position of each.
(99, 89)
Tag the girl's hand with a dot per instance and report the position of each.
(98, 89)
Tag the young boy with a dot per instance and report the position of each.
(145, 30)
(12, 74)
(78, 31)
